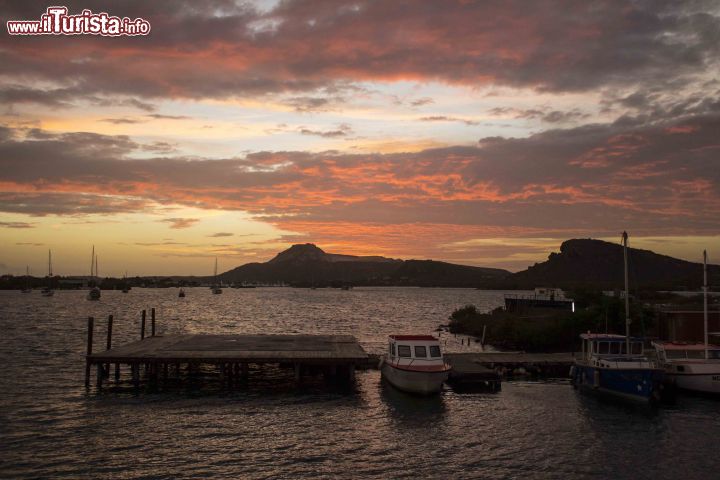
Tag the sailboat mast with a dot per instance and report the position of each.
(50, 263)
(92, 263)
(705, 307)
(96, 267)
(627, 295)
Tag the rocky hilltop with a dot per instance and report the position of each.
(598, 264)
(308, 265)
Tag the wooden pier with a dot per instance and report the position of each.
(334, 355)
(486, 370)
(468, 374)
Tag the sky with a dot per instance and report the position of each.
(476, 132)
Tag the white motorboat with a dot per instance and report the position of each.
(693, 366)
(687, 366)
(414, 364)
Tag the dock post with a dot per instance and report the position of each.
(135, 368)
(142, 326)
(109, 342)
(91, 321)
(298, 372)
(117, 372)
(245, 371)
(100, 375)
(152, 322)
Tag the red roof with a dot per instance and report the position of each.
(410, 338)
(602, 336)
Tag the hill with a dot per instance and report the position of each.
(308, 265)
(597, 264)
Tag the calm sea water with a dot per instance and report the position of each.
(51, 427)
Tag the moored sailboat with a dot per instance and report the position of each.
(47, 291)
(615, 365)
(216, 287)
(125, 286)
(693, 366)
(26, 288)
(94, 292)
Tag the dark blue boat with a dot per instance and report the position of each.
(615, 364)
(607, 367)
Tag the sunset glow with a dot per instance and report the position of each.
(472, 132)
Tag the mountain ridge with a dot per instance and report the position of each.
(309, 265)
(580, 263)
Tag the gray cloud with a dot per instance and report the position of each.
(342, 130)
(121, 121)
(545, 114)
(422, 101)
(159, 116)
(444, 118)
(16, 225)
(658, 177)
(180, 222)
(550, 46)
(221, 234)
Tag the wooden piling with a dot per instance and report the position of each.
(152, 322)
(142, 326)
(100, 375)
(117, 372)
(109, 341)
(91, 322)
(135, 368)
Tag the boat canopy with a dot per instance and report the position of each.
(414, 338)
(607, 337)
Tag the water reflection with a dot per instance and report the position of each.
(412, 411)
(268, 428)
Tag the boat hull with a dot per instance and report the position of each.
(413, 381)
(641, 385)
(696, 376)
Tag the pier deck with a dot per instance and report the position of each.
(307, 349)
(486, 369)
(336, 356)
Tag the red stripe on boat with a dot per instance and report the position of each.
(421, 368)
(413, 337)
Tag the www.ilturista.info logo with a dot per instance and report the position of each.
(56, 21)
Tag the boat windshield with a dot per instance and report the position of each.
(617, 348)
(691, 354)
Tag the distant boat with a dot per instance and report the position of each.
(346, 287)
(47, 291)
(615, 365)
(126, 287)
(414, 364)
(215, 288)
(181, 294)
(27, 288)
(693, 366)
(94, 292)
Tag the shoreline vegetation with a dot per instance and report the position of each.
(553, 330)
